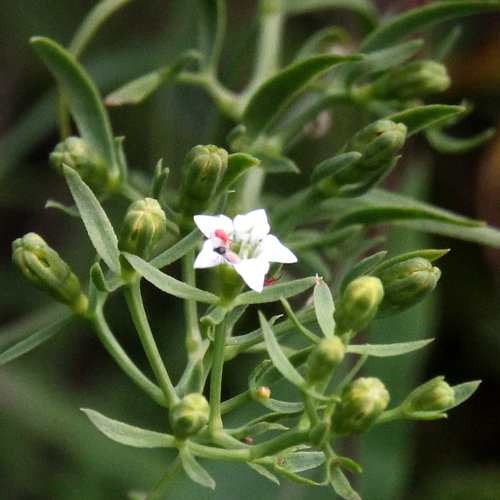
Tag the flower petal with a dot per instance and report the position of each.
(207, 257)
(272, 250)
(253, 272)
(208, 224)
(252, 226)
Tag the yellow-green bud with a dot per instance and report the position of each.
(324, 358)
(42, 265)
(378, 144)
(413, 80)
(143, 227)
(434, 395)
(202, 171)
(75, 153)
(406, 283)
(358, 304)
(189, 415)
(361, 403)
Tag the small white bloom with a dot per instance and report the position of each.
(244, 243)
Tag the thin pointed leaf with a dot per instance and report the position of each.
(83, 99)
(34, 340)
(324, 307)
(294, 477)
(301, 461)
(237, 164)
(277, 164)
(341, 484)
(414, 20)
(349, 464)
(444, 46)
(264, 472)
(429, 254)
(332, 165)
(321, 40)
(178, 250)
(94, 218)
(129, 434)
(212, 21)
(385, 350)
(194, 470)
(167, 283)
(441, 141)
(275, 292)
(284, 407)
(464, 391)
(362, 267)
(276, 92)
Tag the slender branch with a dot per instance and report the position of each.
(193, 336)
(236, 402)
(172, 471)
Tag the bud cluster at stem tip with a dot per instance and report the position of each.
(434, 395)
(189, 415)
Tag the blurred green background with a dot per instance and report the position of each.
(49, 450)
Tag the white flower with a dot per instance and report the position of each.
(244, 243)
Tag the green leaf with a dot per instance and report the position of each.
(301, 460)
(362, 267)
(129, 434)
(430, 254)
(294, 477)
(414, 20)
(324, 307)
(194, 470)
(35, 339)
(94, 218)
(83, 99)
(321, 41)
(277, 164)
(167, 283)
(349, 464)
(142, 87)
(264, 472)
(300, 327)
(385, 350)
(341, 484)
(276, 92)
(308, 240)
(444, 46)
(178, 250)
(212, 23)
(443, 142)
(333, 165)
(237, 164)
(275, 292)
(464, 391)
(282, 406)
(422, 117)
(277, 356)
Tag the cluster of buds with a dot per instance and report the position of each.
(189, 415)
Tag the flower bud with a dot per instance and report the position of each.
(324, 358)
(358, 304)
(413, 80)
(144, 225)
(202, 171)
(434, 395)
(406, 283)
(75, 153)
(361, 403)
(189, 415)
(378, 144)
(42, 265)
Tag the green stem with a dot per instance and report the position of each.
(193, 336)
(136, 307)
(215, 420)
(172, 471)
(234, 403)
(120, 356)
(280, 443)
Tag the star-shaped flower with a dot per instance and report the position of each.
(244, 243)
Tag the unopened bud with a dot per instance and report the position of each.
(378, 144)
(189, 415)
(143, 227)
(434, 395)
(361, 403)
(406, 283)
(75, 153)
(413, 80)
(358, 304)
(324, 358)
(202, 171)
(42, 265)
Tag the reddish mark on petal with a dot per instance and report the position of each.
(272, 280)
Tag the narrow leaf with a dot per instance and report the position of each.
(324, 307)
(83, 99)
(295, 477)
(275, 292)
(362, 267)
(94, 218)
(276, 92)
(277, 356)
(281, 406)
(301, 460)
(167, 283)
(34, 340)
(194, 470)
(264, 472)
(212, 22)
(277, 164)
(464, 391)
(237, 164)
(448, 144)
(333, 165)
(430, 254)
(341, 484)
(349, 464)
(129, 434)
(385, 350)
(178, 250)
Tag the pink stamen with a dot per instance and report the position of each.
(222, 235)
(272, 280)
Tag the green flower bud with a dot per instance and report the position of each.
(144, 225)
(42, 265)
(378, 144)
(361, 403)
(75, 153)
(189, 415)
(413, 80)
(434, 395)
(324, 358)
(358, 304)
(203, 169)
(406, 283)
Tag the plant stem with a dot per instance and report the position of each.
(193, 336)
(136, 307)
(172, 470)
(236, 402)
